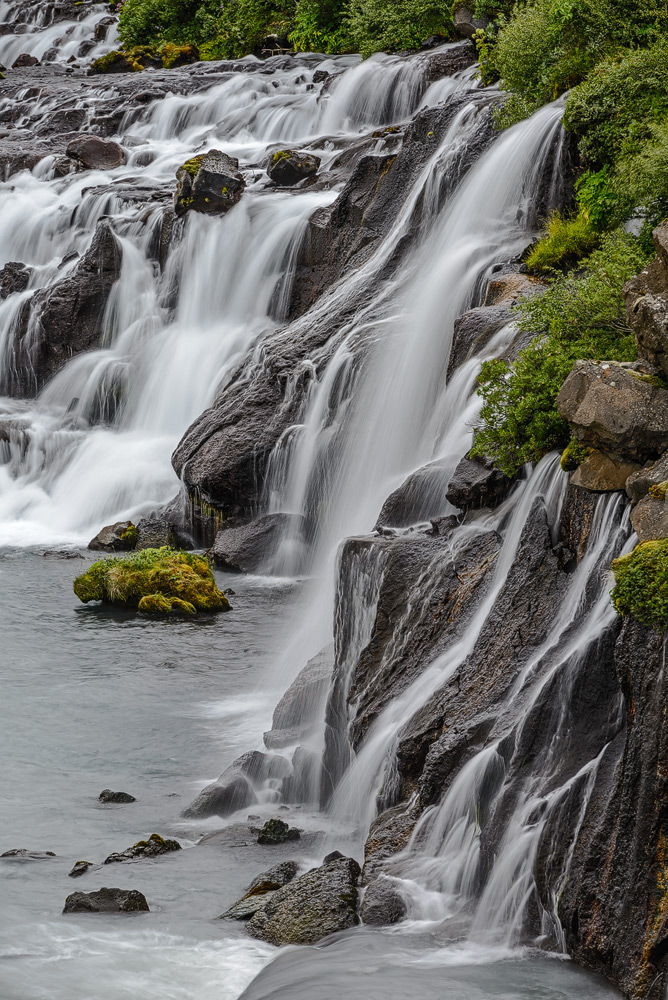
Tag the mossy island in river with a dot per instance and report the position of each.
(155, 581)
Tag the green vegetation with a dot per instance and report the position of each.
(156, 581)
(579, 316)
(564, 243)
(230, 28)
(574, 454)
(641, 584)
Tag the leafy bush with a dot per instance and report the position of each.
(581, 315)
(153, 580)
(376, 25)
(565, 241)
(613, 110)
(641, 584)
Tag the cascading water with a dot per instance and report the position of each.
(193, 300)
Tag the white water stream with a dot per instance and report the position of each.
(380, 409)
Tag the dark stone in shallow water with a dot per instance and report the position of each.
(107, 901)
(250, 548)
(154, 846)
(477, 483)
(26, 855)
(275, 831)
(383, 903)
(261, 889)
(108, 796)
(80, 868)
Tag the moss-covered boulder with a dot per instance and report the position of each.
(209, 183)
(151, 848)
(288, 167)
(641, 584)
(155, 581)
(127, 61)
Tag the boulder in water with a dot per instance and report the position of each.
(383, 903)
(288, 167)
(222, 798)
(619, 409)
(311, 907)
(250, 548)
(24, 60)
(209, 183)
(276, 831)
(294, 717)
(119, 537)
(126, 61)
(151, 848)
(95, 153)
(153, 581)
(106, 795)
(79, 868)
(14, 277)
(261, 888)
(107, 901)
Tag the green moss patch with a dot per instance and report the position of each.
(192, 166)
(155, 581)
(574, 455)
(641, 584)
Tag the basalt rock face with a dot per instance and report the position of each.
(614, 907)
(210, 183)
(64, 320)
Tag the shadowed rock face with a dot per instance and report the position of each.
(64, 320)
(614, 905)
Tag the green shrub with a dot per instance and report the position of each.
(375, 25)
(564, 242)
(153, 580)
(641, 181)
(641, 584)
(580, 315)
(613, 110)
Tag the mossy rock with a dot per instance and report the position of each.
(155, 581)
(641, 584)
(573, 455)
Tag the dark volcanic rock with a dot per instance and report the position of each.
(652, 474)
(250, 548)
(25, 855)
(311, 907)
(261, 888)
(209, 183)
(221, 798)
(616, 409)
(577, 516)
(14, 277)
(383, 903)
(649, 518)
(24, 60)
(466, 23)
(107, 901)
(449, 60)
(119, 537)
(288, 167)
(108, 796)
(388, 835)
(95, 153)
(275, 831)
(154, 846)
(63, 320)
(419, 498)
(80, 868)
(473, 331)
(477, 483)
(295, 716)
(613, 905)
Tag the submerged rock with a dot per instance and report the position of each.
(107, 901)
(261, 889)
(250, 548)
(153, 847)
(276, 831)
(311, 907)
(288, 167)
(210, 183)
(95, 153)
(119, 537)
(106, 795)
(80, 868)
(26, 855)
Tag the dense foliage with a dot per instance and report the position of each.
(228, 28)
(641, 584)
(154, 581)
(579, 316)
